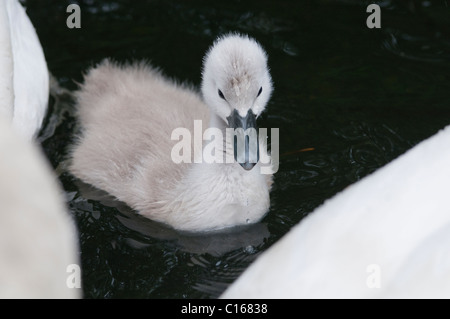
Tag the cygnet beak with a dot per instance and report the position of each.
(246, 144)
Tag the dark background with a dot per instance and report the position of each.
(359, 97)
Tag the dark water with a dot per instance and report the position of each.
(358, 97)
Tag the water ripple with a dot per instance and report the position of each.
(415, 48)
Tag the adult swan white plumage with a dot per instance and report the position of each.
(386, 236)
(128, 114)
(24, 78)
(38, 239)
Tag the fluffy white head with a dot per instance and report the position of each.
(236, 76)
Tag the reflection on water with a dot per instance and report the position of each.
(219, 256)
(417, 48)
(347, 101)
(215, 243)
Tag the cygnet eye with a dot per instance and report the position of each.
(259, 92)
(221, 95)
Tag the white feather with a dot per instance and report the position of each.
(24, 77)
(393, 224)
(38, 240)
(128, 114)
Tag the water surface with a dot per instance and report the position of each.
(356, 98)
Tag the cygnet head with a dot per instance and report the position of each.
(236, 84)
